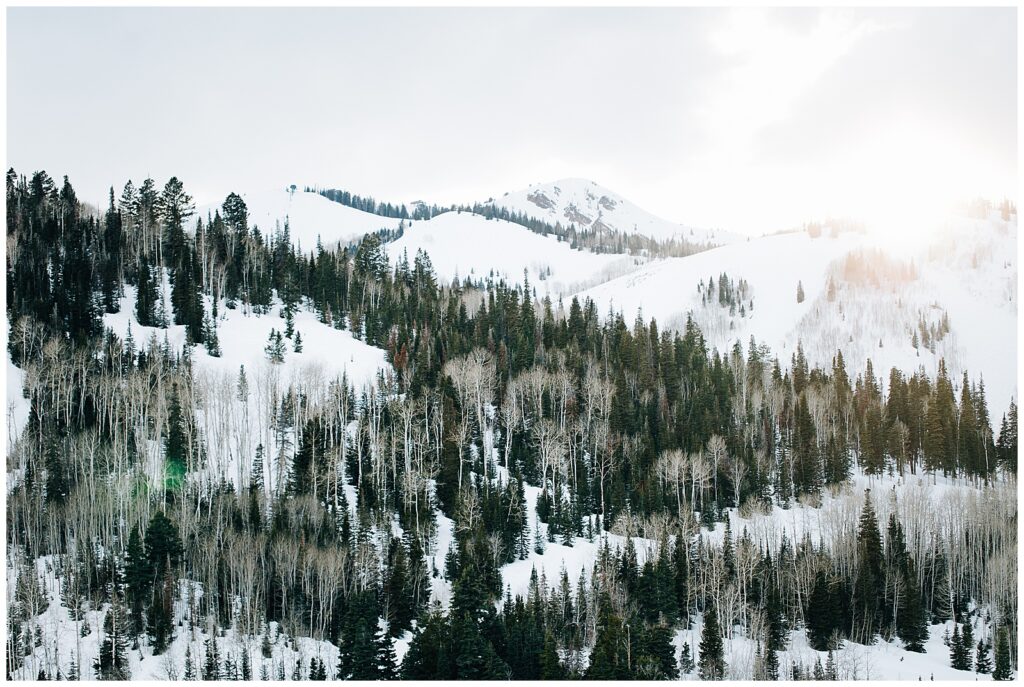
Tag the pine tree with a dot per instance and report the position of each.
(982, 659)
(190, 666)
(386, 659)
(210, 336)
(868, 585)
(211, 666)
(959, 654)
(1003, 670)
(138, 580)
(771, 663)
(686, 664)
(711, 662)
(609, 659)
(112, 662)
(275, 347)
(799, 292)
(831, 670)
(551, 665)
(146, 295)
(657, 648)
(823, 613)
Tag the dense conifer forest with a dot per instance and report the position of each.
(135, 488)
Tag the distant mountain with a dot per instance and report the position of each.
(589, 205)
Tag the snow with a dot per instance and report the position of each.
(327, 352)
(232, 430)
(836, 517)
(463, 244)
(63, 641)
(880, 661)
(968, 270)
(310, 216)
(588, 205)
(772, 265)
(17, 404)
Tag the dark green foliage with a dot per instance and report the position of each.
(551, 666)
(1003, 670)
(657, 660)
(983, 658)
(147, 295)
(112, 662)
(686, 664)
(163, 546)
(711, 663)
(609, 659)
(959, 651)
(211, 664)
(824, 613)
(868, 604)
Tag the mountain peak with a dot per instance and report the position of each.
(588, 205)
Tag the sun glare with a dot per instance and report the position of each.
(907, 178)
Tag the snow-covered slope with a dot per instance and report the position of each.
(310, 217)
(668, 289)
(327, 354)
(920, 502)
(463, 244)
(966, 273)
(588, 205)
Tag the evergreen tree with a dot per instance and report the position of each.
(551, 665)
(138, 580)
(869, 581)
(609, 659)
(686, 664)
(1003, 670)
(711, 662)
(982, 659)
(146, 295)
(112, 662)
(959, 654)
(190, 666)
(275, 349)
(211, 666)
(657, 650)
(824, 616)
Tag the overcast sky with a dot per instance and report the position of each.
(746, 120)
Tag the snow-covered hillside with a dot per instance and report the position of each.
(327, 354)
(966, 273)
(310, 217)
(590, 206)
(463, 244)
(943, 501)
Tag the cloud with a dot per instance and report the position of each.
(771, 64)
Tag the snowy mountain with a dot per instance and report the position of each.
(590, 206)
(309, 215)
(463, 244)
(303, 432)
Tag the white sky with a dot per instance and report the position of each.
(743, 119)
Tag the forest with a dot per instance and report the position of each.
(139, 487)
